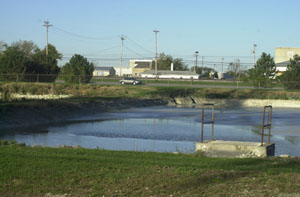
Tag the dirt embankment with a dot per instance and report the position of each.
(196, 101)
(44, 112)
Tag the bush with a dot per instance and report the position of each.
(78, 70)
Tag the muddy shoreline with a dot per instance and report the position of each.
(46, 112)
(40, 112)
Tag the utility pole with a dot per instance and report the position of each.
(196, 62)
(47, 25)
(238, 74)
(254, 52)
(121, 58)
(155, 31)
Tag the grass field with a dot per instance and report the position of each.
(142, 92)
(27, 171)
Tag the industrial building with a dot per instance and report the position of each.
(169, 74)
(104, 71)
(283, 56)
(140, 66)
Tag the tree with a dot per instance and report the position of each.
(264, 71)
(164, 63)
(23, 59)
(28, 47)
(3, 45)
(203, 71)
(234, 68)
(179, 65)
(13, 61)
(45, 64)
(78, 70)
(291, 77)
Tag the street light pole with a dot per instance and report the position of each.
(196, 63)
(254, 52)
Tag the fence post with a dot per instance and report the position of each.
(37, 78)
(17, 79)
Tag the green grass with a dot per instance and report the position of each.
(191, 82)
(26, 171)
(140, 92)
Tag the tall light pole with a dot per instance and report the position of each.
(254, 52)
(196, 62)
(155, 31)
(47, 25)
(121, 58)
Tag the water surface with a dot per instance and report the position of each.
(165, 129)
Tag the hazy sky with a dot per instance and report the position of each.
(215, 28)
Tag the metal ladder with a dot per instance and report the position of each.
(268, 125)
(212, 122)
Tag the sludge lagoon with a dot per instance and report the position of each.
(164, 129)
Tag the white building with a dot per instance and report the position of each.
(167, 74)
(283, 56)
(104, 71)
(125, 71)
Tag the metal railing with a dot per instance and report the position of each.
(212, 122)
(268, 125)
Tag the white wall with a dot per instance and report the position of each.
(170, 76)
(125, 71)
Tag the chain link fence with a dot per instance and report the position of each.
(77, 79)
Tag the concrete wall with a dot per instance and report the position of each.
(101, 73)
(125, 71)
(174, 76)
(235, 102)
(138, 71)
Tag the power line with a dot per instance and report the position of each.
(84, 37)
(134, 52)
(130, 40)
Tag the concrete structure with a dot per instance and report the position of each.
(235, 149)
(140, 66)
(125, 71)
(283, 56)
(168, 74)
(104, 71)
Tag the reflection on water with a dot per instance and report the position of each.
(165, 129)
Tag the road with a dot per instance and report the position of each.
(189, 85)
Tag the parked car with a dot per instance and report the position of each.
(130, 80)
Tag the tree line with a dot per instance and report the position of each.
(24, 58)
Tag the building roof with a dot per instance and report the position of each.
(168, 72)
(282, 64)
(103, 68)
(140, 60)
(142, 64)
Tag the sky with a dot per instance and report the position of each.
(215, 28)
